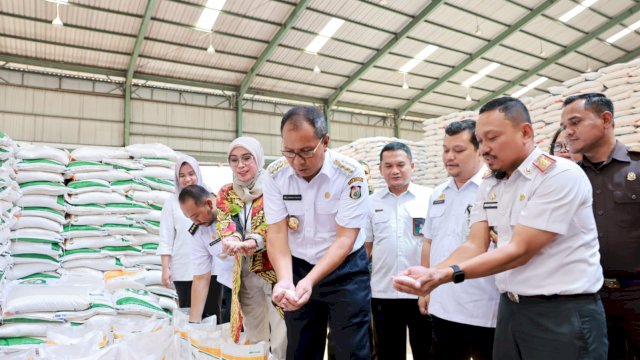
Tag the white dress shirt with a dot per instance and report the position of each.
(472, 302)
(393, 228)
(557, 199)
(175, 240)
(337, 195)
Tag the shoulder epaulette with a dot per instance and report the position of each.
(277, 166)
(543, 162)
(344, 166)
(487, 174)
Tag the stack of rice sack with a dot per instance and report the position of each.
(9, 195)
(36, 236)
(620, 82)
(368, 150)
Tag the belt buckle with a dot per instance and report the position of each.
(612, 284)
(513, 297)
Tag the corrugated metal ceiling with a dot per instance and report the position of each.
(101, 34)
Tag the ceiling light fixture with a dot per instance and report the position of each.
(482, 73)
(576, 10)
(211, 49)
(325, 34)
(317, 70)
(624, 32)
(468, 98)
(529, 87)
(57, 22)
(422, 55)
(209, 15)
(478, 31)
(404, 83)
(542, 52)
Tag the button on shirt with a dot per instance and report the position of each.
(616, 204)
(556, 199)
(394, 229)
(472, 302)
(337, 195)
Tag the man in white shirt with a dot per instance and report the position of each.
(315, 202)
(394, 240)
(199, 205)
(547, 258)
(464, 315)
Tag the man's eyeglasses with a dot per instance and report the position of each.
(303, 154)
(245, 160)
(560, 147)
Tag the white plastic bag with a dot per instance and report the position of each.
(32, 152)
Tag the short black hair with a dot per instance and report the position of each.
(394, 146)
(457, 127)
(597, 103)
(312, 115)
(513, 109)
(554, 139)
(196, 193)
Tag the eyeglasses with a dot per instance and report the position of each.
(245, 160)
(560, 147)
(303, 154)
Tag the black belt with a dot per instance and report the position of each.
(621, 283)
(542, 298)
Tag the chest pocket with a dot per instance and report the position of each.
(326, 212)
(436, 211)
(294, 207)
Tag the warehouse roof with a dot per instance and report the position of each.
(262, 47)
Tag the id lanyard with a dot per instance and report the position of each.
(246, 216)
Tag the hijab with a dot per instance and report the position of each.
(252, 189)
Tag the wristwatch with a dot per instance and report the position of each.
(458, 274)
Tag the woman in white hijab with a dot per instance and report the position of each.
(243, 228)
(174, 236)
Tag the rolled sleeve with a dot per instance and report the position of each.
(352, 213)
(274, 207)
(167, 229)
(556, 199)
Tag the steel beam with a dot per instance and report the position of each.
(569, 49)
(486, 48)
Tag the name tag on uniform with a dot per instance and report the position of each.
(490, 205)
(215, 241)
(292, 197)
(437, 202)
(194, 227)
(418, 224)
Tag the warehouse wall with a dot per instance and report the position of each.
(61, 110)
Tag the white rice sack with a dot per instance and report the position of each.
(90, 209)
(101, 304)
(47, 213)
(103, 264)
(584, 87)
(154, 172)
(73, 231)
(47, 201)
(5, 140)
(141, 302)
(82, 253)
(630, 138)
(168, 163)
(21, 347)
(231, 350)
(151, 151)
(28, 247)
(154, 277)
(623, 130)
(37, 222)
(43, 188)
(121, 250)
(34, 258)
(616, 82)
(6, 153)
(11, 192)
(556, 90)
(19, 271)
(31, 152)
(167, 303)
(100, 220)
(142, 239)
(42, 295)
(27, 329)
(109, 175)
(159, 344)
(162, 291)
(40, 165)
(76, 167)
(83, 272)
(95, 198)
(119, 229)
(153, 227)
(98, 153)
(94, 242)
(120, 279)
(152, 196)
(29, 176)
(205, 343)
(153, 215)
(124, 186)
(84, 186)
(36, 235)
(159, 184)
(124, 164)
(130, 207)
(133, 261)
(590, 76)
